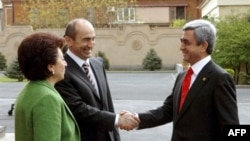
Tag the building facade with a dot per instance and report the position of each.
(1, 16)
(166, 11)
(153, 12)
(124, 47)
(141, 27)
(222, 8)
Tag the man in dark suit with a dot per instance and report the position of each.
(85, 88)
(210, 102)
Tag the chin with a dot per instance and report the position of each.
(59, 79)
(184, 59)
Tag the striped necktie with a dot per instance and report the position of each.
(86, 69)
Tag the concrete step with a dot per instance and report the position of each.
(2, 131)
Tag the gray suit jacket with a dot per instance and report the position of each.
(95, 115)
(209, 105)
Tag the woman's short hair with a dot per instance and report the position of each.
(36, 52)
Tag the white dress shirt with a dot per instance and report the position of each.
(80, 63)
(198, 66)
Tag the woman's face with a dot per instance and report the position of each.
(58, 69)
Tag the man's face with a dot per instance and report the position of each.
(192, 52)
(84, 41)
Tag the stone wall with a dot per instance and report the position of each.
(124, 46)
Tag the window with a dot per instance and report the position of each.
(126, 14)
(177, 13)
(180, 12)
(172, 13)
(8, 15)
(91, 15)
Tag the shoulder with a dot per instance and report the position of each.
(216, 68)
(95, 62)
(218, 73)
(41, 89)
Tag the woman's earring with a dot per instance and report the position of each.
(53, 72)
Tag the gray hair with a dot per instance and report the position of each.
(203, 31)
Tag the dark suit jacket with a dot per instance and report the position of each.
(95, 115)
(209, 105)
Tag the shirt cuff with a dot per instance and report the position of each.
(117, 120)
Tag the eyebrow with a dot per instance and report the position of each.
(184, 40)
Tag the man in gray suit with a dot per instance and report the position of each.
(210, 102)
(85, 88)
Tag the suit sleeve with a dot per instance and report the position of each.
(158, 116)
(161, 115)
(225, 101)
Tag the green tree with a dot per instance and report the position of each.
(152, 61)
(179, 23)
(42, 13)
(233, 44)
(104, 59)
(2, 62)
(13, 71)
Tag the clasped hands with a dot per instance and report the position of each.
(128, 121)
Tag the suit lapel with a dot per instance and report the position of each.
(96, 71)
(78, 71)
(200, 81)
(179, 81)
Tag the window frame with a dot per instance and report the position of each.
(123, 12)
(173, 15)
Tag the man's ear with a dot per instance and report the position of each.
(68, 40)
(204, 46)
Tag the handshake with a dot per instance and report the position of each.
(128, 121)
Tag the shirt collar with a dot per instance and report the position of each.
(78, 60)
(200, 64)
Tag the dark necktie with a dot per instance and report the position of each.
(185, 87)
(86, 69)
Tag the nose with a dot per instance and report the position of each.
(182, 46)
(91, 42)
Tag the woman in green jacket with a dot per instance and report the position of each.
(40, 112)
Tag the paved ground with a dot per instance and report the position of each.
(131, 91)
